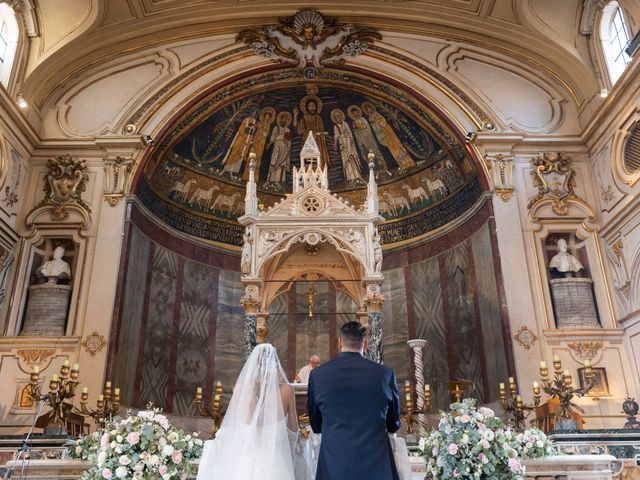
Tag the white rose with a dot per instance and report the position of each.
(167, 450)
(78, 450)
(119, 438)
(102, 456)
(153, 460)
(121, 472)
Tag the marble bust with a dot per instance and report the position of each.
(563, 261)
(56, 268)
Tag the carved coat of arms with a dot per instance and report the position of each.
(64, 183)
(554, 178)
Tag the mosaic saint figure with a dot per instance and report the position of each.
(343, 138)
(364, 137)
(263, 127)
(311, 121)
(387, 137)
(239, 150)
(281, 153)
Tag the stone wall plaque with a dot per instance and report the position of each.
(573, 303)
(47, 310)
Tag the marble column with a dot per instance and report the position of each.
(251, 303)
(374, 352)
(416, 346)
(373, 303)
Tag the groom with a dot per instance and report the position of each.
(354, 402)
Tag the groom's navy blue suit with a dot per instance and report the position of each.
(354, 402)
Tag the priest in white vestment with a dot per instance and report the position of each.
(303, 374)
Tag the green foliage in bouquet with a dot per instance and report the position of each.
(143, 446)
(473, 444)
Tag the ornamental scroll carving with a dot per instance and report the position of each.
(555, 179)
(64, 184)
(309, 38)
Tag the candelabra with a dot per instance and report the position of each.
(410, 412)
(214, 411)
(457, 388)
(560, 388)
(513, 404)
(62, 386)
(107, 405)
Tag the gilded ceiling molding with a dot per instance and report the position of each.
(484, 120)
(309, 39)
(154, 102)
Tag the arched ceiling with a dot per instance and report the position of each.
(85, 33)
(194, 179)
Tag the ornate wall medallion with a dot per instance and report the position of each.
(94, 343)
(586, 350)
(525, 337)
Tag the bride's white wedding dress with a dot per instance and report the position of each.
(257, 437)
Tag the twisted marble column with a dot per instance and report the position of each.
(416, 346)
(249, 337)
(374, 352)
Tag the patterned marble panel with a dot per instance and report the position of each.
(464, 332)
(229, 331)
(279, 328)
(395, 329)
(487, 294)
(429, 318)
(133, 303)
(157, 336)
(312, 334)
(195, 313)
(346, 309)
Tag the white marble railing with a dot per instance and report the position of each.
(562, 467)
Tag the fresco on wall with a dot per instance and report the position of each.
(199, 169)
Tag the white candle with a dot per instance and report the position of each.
(54, 377)
(543, 364)
(76, 366)
(199, 390)
(566, 373)
(536, 385)
(85, 390)
(556, 358)
(587, 363)
(427, 387)
(511, 380)
(107, 385)
(35, 369)
(66, 363)
(502, 386)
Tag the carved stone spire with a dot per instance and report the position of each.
(372, 188)
(313, 171)
(251, 197)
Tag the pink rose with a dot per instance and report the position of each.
(162, 469)
(133, 438)
(137, 474)
(482, 426)
(106, 473)
(514, 465)
(452, 449)
(124, 460)
(104, 440)
(484, 444)
(465, 418)
(176, 456)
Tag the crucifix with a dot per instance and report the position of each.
(312, 292)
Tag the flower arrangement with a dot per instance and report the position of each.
(473, 443)
(141, 446)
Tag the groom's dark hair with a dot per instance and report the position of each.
(352, 334)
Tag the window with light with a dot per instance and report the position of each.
(615, 39)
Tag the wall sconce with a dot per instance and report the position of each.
(604, 93)
(21, 102)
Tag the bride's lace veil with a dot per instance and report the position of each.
(252, 442)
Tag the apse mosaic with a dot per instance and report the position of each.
(196, 176)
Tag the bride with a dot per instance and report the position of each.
(258, 435)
